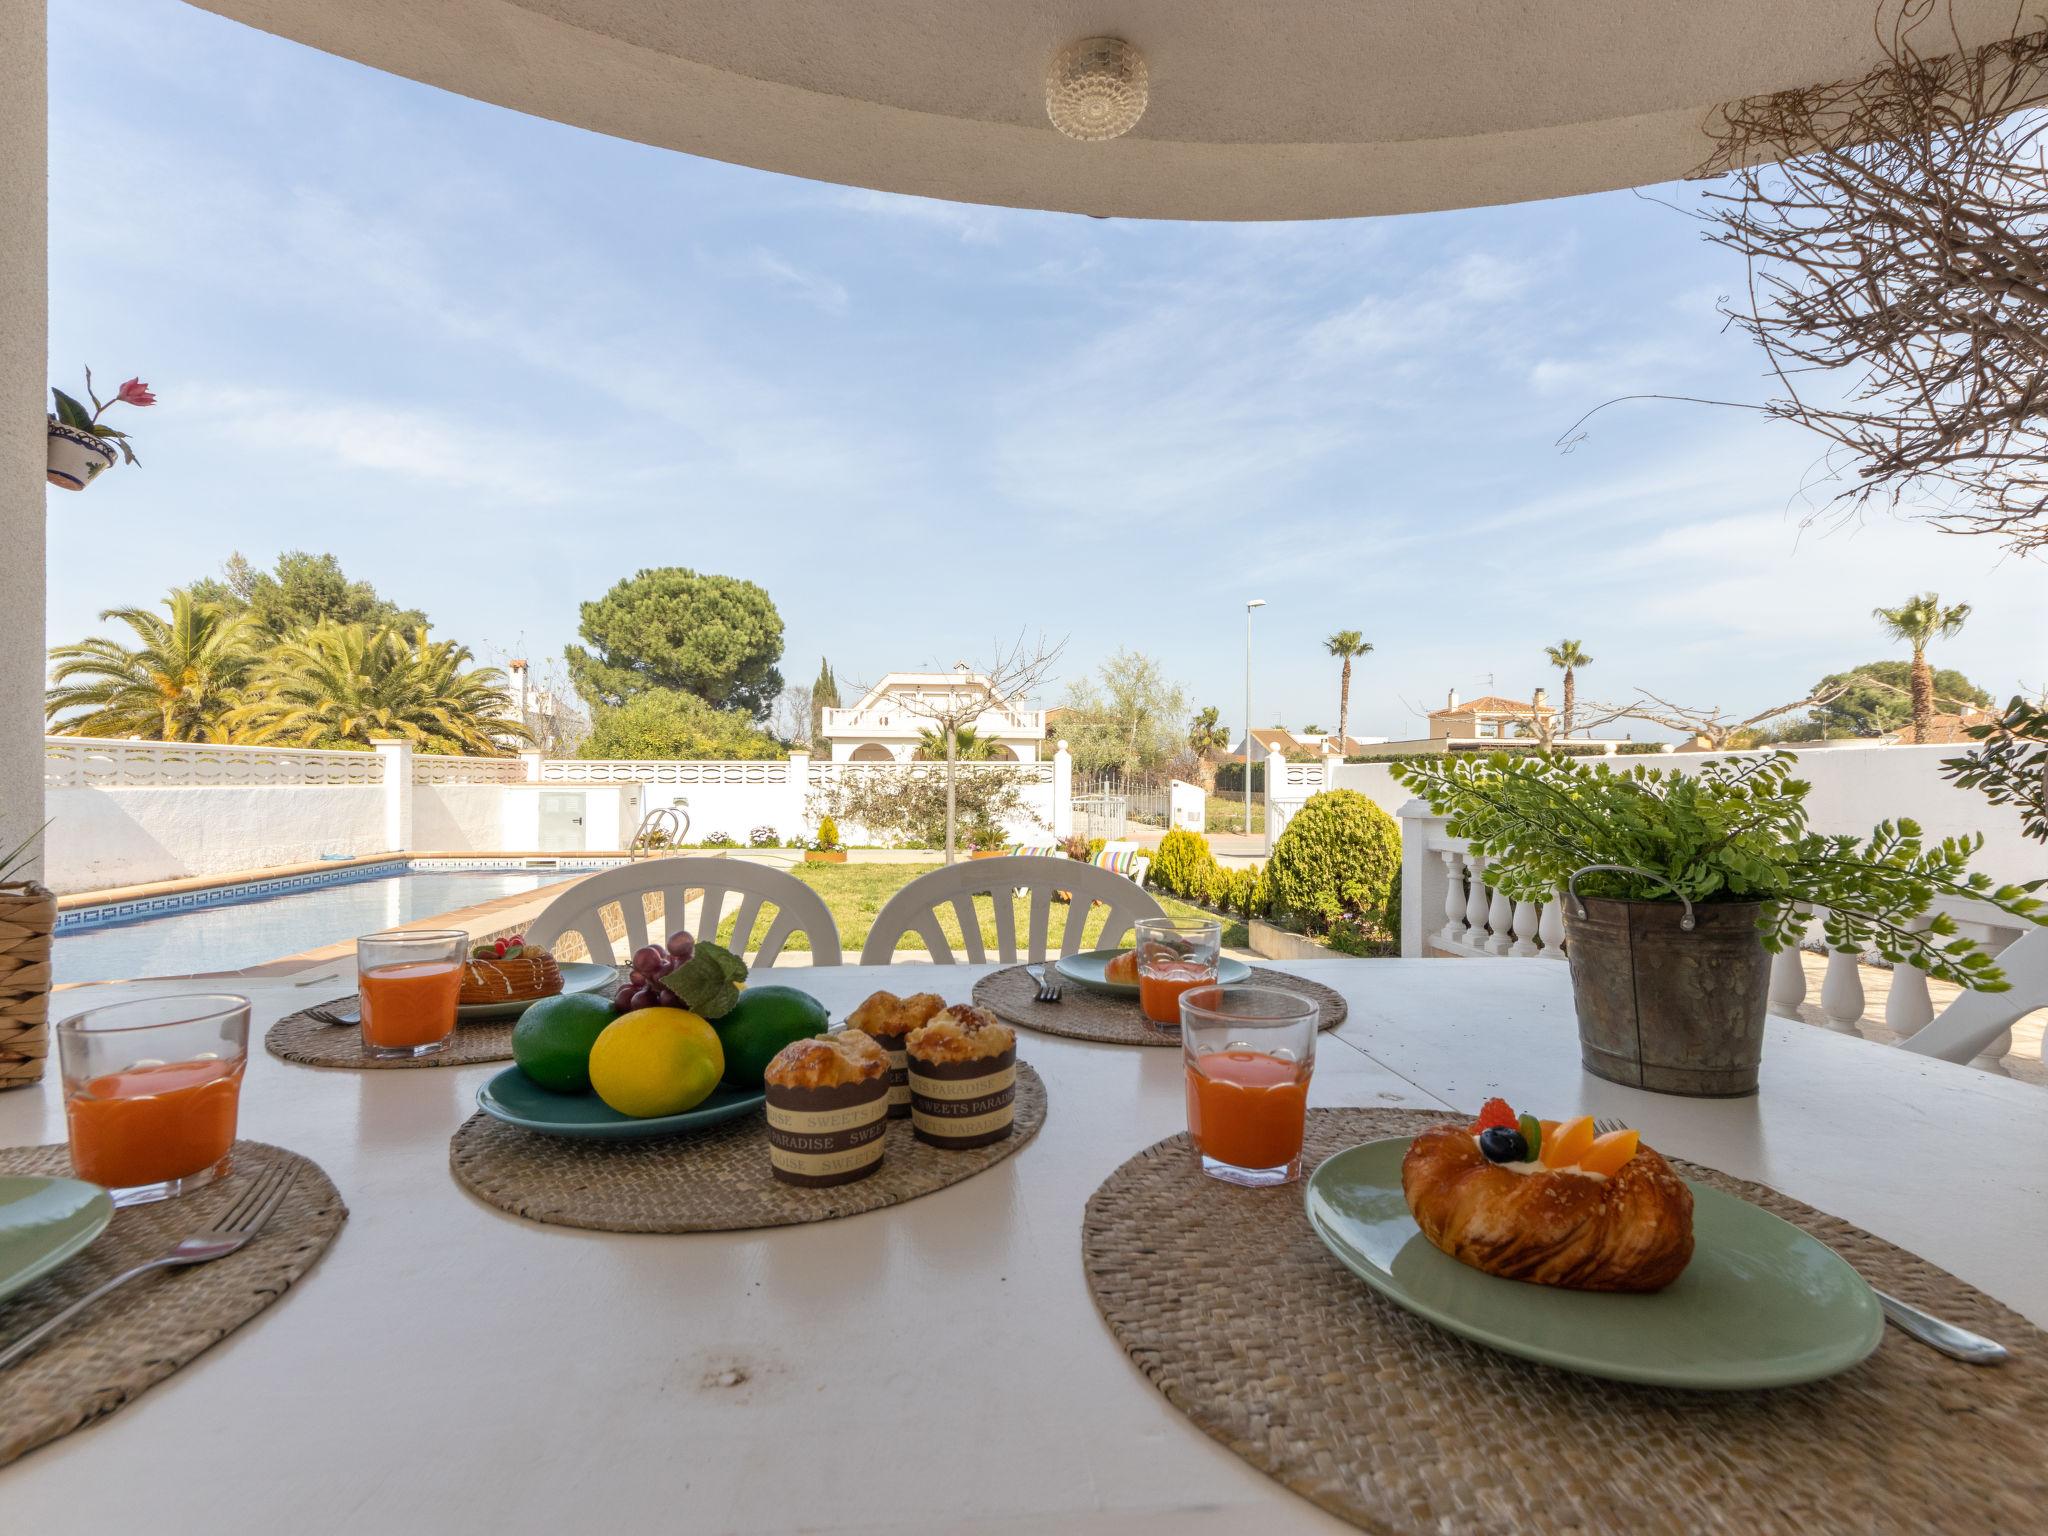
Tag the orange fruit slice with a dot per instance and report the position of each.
(1609, 1152)
(1569, 1144)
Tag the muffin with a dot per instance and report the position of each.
(890, 1019)
(963, 1079)
(828, 1109)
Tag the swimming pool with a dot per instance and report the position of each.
(229, 927)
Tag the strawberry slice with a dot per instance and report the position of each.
(1493, 1112)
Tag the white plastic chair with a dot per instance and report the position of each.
(798, 908)
(915, 908)
(1966, 1028)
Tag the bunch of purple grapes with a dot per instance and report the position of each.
(643, 988)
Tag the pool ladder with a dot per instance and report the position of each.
(671, 824)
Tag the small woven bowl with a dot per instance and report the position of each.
(510, 981)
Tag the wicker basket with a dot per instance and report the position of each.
(507, 981)
(28, 913)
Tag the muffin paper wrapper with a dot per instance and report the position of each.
(961, 1104)
(823, 1136)
(899, 1073)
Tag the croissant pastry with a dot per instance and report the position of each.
(1575, 1210)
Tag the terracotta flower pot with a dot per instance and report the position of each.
(76, 457)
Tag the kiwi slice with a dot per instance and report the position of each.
(1532, 1133)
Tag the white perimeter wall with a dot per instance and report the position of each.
(1854, 788)
(108, 837)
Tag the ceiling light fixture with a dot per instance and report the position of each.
(1096, 89)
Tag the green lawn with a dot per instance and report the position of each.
(856, 892)
(1225, 813)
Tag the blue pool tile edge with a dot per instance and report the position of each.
(142, 908)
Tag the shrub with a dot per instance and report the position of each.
(1241, 891)
(764, 837)
(720, 840)
(1262, 893)
(828, 835)
(1075, 847)
(905, 804)
(1230, 778)
(1095, 846)
(1185, 867)
(1355, 936)
(1638, 748)
(1392, 921)
(1338, 857)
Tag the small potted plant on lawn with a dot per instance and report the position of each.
(1676, 888)
(824, 848)
(81, 445)
(28, 913)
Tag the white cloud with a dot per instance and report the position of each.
(971, 223)
(812, 287)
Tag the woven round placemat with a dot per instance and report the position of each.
(120, 1347)
(1012, 996)
(1233, 1308)
(714, 1181)
(306, 1040)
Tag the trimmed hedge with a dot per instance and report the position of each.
(1185, 867)
(1337, 858)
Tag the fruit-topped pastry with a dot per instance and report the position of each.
(1553, 1202)
(509, 971)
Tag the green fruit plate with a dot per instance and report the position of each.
(517, 1099)
(577, 976)
(43, 1222)
(1085, 970)
(1762, 1304)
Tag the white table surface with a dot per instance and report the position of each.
(448, 1368)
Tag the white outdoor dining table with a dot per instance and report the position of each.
(935, 1366)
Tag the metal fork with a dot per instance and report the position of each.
(1936, 1333)
(331, 1013)
(1048, 991)
(236, 1230)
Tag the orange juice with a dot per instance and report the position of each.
(149, 1125)
(1246, 1108)
(409, 1004)
(1161, 984)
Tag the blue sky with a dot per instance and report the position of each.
(495, 364)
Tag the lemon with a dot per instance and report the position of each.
(656, 1061)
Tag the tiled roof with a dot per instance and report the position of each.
(1493, 704)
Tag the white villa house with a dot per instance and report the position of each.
(890, 718)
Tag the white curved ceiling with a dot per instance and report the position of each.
(1260, 109)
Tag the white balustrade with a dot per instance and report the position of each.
(1841, 992)
(661, 771)
(1908, 1008)
(1550, 929)
(1479, 905)
(90, 762)
(1452, 934)
(433, 769)
(1500, 921)
(1525, 944)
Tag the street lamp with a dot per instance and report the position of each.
(1257, 602)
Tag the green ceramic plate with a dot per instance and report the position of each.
(1085, 970)
(577, 976)
(1761, 1304)
(516, 1099)
(43, 1222)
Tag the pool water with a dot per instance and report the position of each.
(227, 938)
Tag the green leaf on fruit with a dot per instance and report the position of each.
(708, 982)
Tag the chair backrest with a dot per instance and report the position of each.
(581, 907)
(1968, 1026)
(916, 908)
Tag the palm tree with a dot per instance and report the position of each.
(344, 685)
(1569, 655)
(1207, 733)
(967, 745)
(1918, 621)
(1346, 643)
(179, 682)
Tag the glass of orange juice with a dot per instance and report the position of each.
(1174, 954)
(152, 1090)
(1248, 1052)
(409, 981)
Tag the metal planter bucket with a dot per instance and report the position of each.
(1671, 997)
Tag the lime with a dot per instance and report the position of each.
(656, 1061)
(762, 1022)
(552, 1040)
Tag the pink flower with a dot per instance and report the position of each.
(135, 392)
